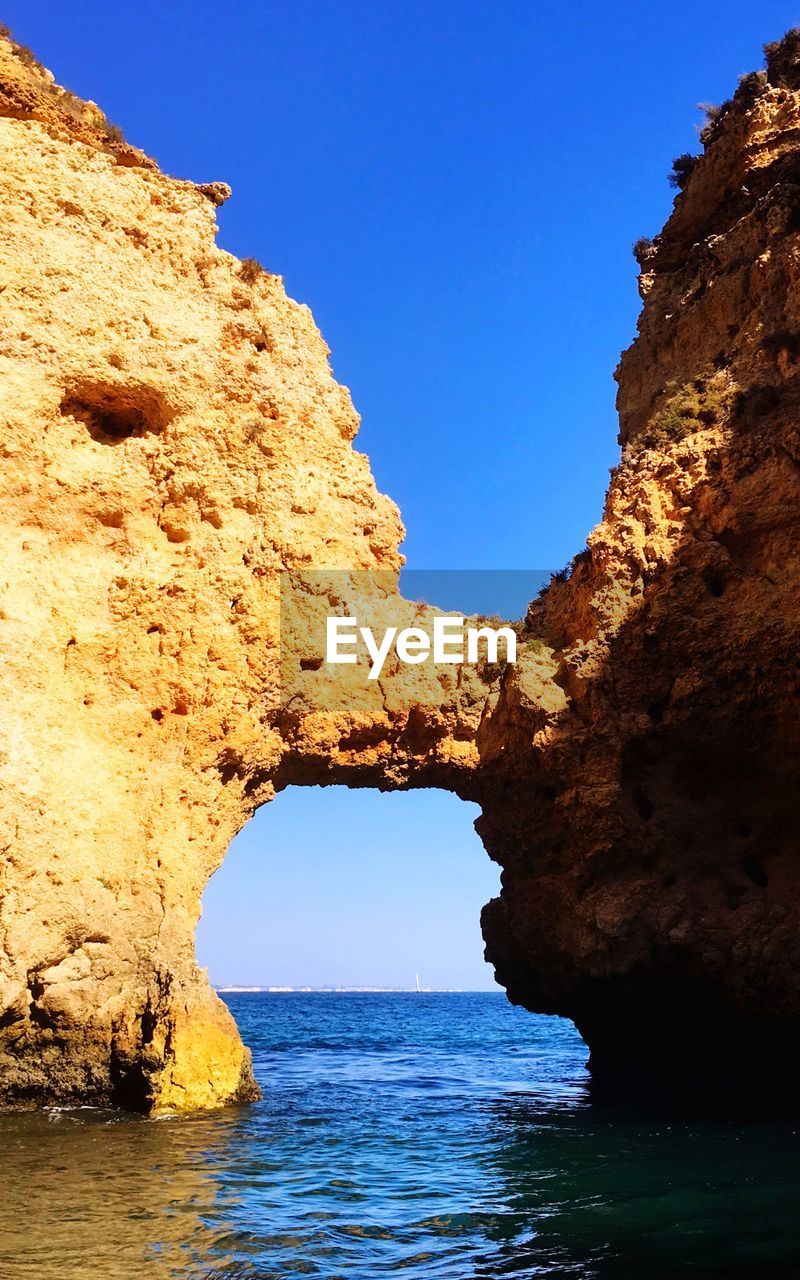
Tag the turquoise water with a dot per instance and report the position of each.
(420, 1137)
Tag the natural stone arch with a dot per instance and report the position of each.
(174, 442)
(341, 887)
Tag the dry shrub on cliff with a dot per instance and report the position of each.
(250, 270)
(749, 87)
(578, 561)
(714, 114)
(783, 60)
(692, 407)
(681, 171)
(641, 249)
(20, 51)
(67, 103)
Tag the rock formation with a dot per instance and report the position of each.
(650, 886)
(175, 450)
(172, 438)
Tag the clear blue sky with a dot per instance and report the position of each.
(454, 188)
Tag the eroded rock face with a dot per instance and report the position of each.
(172, 438)
(173, 443)
(651, 879)
(173, 446)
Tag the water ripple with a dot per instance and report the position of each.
(442, 1137)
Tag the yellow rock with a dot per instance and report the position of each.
(175, 451)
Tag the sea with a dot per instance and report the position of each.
(432, 1136)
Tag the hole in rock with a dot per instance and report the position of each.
(754, 869)
(113, 413)
(715, 582)
(644, 805)
(332, 887)
(754, 404)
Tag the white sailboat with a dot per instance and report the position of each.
(419, 988)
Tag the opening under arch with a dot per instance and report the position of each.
(333, 887)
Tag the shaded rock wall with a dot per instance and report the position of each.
(651, 889)
(173, 442)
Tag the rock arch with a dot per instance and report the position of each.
(637, 768)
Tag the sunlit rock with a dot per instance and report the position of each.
(175, 449)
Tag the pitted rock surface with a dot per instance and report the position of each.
(174, 446)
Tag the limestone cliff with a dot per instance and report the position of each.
(651, 885)
(174, 446)
(172, 438)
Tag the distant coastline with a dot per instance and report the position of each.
(332, 990)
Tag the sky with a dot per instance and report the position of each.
(453, 186)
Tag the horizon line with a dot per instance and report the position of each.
(335, 988)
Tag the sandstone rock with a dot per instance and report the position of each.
(174, 444)
(164, 420)
(175, 448)
(651, 889)
(216, 192)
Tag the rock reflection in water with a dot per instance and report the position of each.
(93, 1194)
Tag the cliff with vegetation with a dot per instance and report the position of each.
(175, 451)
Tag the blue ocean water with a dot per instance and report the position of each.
(431, 1137)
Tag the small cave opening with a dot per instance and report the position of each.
(754, 869)
(113, 413)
